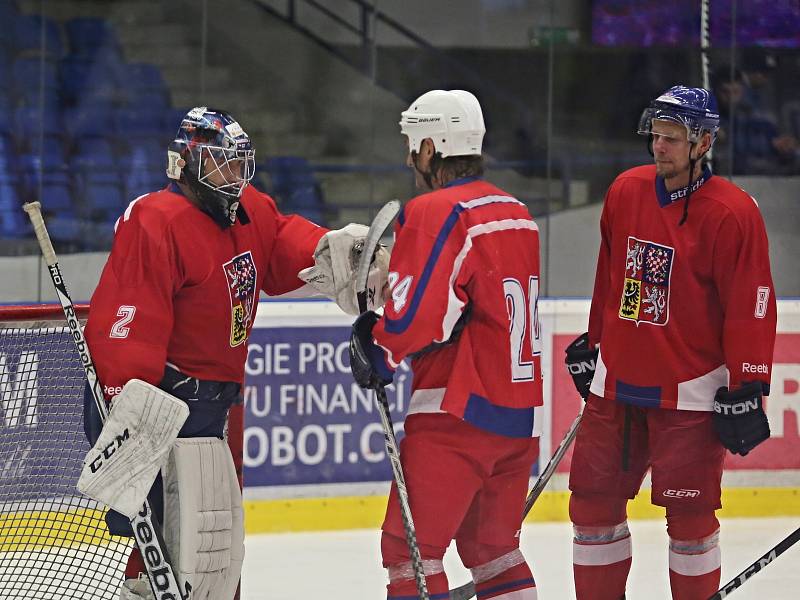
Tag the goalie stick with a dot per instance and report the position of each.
(378, 226)
(757, 565)
(467, 591)
(145, 526)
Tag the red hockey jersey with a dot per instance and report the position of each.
(178, 289)
(679, 311)
(464, 279)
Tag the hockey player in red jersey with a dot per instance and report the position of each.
(684, 314)
(462, 307)
(174, 307)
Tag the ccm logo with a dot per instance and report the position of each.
(581, 367)
(750, 368)
(109, 450)
(681, 493)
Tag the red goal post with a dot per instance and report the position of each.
(53, 541)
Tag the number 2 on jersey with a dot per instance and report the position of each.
(523, 321)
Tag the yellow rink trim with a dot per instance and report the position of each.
(366, 512)
(42, 529)
(39, 529)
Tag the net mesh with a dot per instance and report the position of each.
(53, 541)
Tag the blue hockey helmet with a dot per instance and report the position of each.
(210, 141)
(694, 108)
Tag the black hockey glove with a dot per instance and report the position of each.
(739, 417)
(581, 362)
(366, 359)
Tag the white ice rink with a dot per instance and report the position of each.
(346, 565)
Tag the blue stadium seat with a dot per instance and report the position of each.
(143, 181)
(12, 221)
(88, 122)
(103, 196)
(137, 122)
(81, 77)
(30, 123)
(306, 201)
(143, 76)
(89, 36)
(28, 36)
(31, 73)
(93, 152)
(288, 173)
(66, 228)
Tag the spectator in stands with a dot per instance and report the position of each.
(758, 145)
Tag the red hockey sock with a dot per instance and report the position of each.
(601, 570)
(694, 587)
(406, 589)
(135, 564)
(694, 555)
(509, 584)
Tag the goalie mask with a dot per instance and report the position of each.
(694, 108)
(214, 157)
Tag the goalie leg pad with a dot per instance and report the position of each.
(203, 517)
(133, 445)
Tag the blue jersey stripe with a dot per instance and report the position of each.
(502, 420)
(401, 324)
(638, 395)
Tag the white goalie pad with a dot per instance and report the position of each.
(134, 444)
(203, 517)
(335, 263)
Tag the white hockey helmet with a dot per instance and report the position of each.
(451, 118)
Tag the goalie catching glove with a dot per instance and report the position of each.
(739, 418)
(335, 264)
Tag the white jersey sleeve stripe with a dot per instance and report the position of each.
(454, 305)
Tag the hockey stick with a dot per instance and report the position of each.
(756, 566)
(145, 526)
(381, 222)
(467, 591)
(705, 46)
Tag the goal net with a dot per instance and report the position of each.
(53, 542)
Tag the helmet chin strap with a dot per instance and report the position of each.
(692, 165)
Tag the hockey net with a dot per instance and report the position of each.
(53, 541)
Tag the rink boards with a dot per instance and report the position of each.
(314, 456)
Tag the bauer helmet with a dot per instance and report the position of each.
(451, 118)
(210, 141)
(694, 108)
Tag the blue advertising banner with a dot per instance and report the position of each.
(306, 421)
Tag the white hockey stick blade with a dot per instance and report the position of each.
(379, 225)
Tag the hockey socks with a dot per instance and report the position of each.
(601, 558)
(514, 583)
(694, 567)
(406, 589)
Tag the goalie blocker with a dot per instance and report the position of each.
(192, 479)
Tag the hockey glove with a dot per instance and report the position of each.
(366, 359)
(739, 418)
(581, 361)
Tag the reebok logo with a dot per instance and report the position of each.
(681, 493)
(751, 368)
